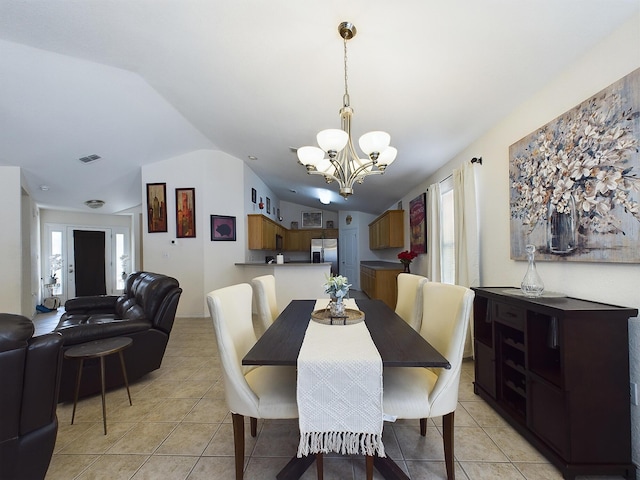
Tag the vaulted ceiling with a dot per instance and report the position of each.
(139, 81)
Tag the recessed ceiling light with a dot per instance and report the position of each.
(252, 157)
(293, 191)
(44, 188)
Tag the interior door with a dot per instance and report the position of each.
(349, 256)
(89, 265)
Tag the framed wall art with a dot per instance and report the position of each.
(311, 219)
(185, 212)
(254, 195)
(575, 182)
(157, 207)
(223, 228)
(418, 224)
(268, 205)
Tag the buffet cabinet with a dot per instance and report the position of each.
(557, 369)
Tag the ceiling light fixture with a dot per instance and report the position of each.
(94, 203)
(343, 165)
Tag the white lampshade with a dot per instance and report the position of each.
(387, 156)
(310, 155)
(374, 142)
(332, 139)
(324, 165)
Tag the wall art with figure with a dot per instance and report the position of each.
(185, 212)
(418, 224)
(575, 182)
(156, 207)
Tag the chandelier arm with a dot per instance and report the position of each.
(326, 175)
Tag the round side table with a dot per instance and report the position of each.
(99, 349)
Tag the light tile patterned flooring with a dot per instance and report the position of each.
(179, 428)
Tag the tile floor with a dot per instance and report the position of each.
(179, 428)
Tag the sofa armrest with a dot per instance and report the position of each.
(92, 304)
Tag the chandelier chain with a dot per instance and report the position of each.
(346, 86)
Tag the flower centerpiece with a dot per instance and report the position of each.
(406, 258)
(338, 288)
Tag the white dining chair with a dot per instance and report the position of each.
(421, 393)
(257, 392)
(264, 288)
(409, 304)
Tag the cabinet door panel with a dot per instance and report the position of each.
(548, 416)
(485, 368)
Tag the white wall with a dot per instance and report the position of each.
(10, 241)
(612, 283)
(199, 264)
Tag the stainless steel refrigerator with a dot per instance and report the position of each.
(325, 250)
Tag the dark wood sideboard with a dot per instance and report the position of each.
(557, 369)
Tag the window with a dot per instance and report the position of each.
(54, 263)
(447, 239)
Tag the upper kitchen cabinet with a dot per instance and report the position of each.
(264, 233)
(387, 231)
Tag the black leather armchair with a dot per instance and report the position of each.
(29, 380)
(145, 312)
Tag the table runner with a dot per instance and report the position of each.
(339, 390)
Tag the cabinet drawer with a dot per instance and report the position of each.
(509, 315)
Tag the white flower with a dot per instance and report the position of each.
(337, 286)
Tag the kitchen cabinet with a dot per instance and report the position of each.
(387, 231)
(263, 233)
(557, 369)
(379, 280)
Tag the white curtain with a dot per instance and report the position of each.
(466, 235)
(434, 268)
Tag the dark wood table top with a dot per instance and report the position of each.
(98, 348)
(398, 344)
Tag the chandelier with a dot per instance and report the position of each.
(343, 164)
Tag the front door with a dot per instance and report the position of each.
(89, 253)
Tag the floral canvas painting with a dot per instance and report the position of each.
(575, 182)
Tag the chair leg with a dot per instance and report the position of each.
(447, 427)
(254, 426)
(369, 466)
(238, 443)
(319, 466)
(423, 427)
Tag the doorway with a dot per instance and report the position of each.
(89, 259)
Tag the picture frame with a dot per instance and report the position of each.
(418, 224)
(268, 205)
(587, 217)
(311, 219)
(156, 207)
(294, 225)
(223, 228)
(185, 212)
(254, 195)
(329, 223)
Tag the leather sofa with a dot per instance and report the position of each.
(29, 380)
(144, 312)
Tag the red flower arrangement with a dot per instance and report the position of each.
(407, 256)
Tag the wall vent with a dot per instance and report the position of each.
(90, 158)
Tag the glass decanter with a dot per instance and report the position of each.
(531, 285)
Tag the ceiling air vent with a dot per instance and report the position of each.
(90, 158)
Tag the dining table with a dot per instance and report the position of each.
(397, 343)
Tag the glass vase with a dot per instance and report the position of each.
(406, 268)
(531, 285)
(562, 227)
(336, 307)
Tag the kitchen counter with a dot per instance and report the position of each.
(286, 264)
(294, 281)
(380, 265)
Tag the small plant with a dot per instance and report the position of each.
(337, 286)
(55, 264)
(407, 256)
